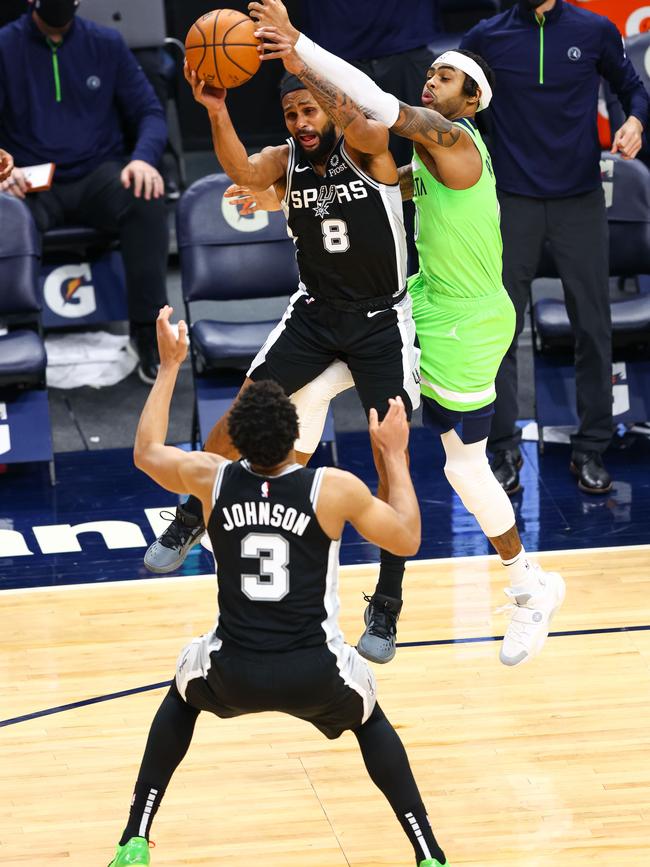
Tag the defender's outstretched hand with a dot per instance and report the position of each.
(171, 346)
(392, 435)
(273, 13)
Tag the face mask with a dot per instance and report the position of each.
(56, 13)
(535, 4)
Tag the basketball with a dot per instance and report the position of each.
(221, 49)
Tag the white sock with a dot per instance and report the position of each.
(519, 569)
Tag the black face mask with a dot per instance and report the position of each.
(56, 13)
(535, 4)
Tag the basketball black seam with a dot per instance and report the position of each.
(205, 46)
(234, 62)
(236, 24)
(214, 53)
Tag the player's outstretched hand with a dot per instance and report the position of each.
(172, 343)
(211, 98)
(392, 435)
(250, 202)
(16, 183)
(273, 13)
(6, 165)
(145, 180)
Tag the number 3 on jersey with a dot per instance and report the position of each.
(271, 582)
(335, 236)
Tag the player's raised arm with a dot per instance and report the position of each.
(278, 40)
(395, 525)
(257, 172)
(171, 467)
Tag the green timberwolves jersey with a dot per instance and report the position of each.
(458, 235)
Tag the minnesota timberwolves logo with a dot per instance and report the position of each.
(68, 291)
(93, 82)
(574, 53)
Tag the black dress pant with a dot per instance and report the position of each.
(99, 200)
(577, 233)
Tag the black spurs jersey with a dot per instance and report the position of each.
(277, 571)
(348, 230)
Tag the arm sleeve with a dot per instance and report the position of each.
(616, 68)
(370, 98)
(140, 106)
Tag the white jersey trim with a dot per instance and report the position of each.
(316, 486)
(277, 331)
(291, 162)
(461, 396)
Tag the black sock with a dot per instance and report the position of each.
(169, 739)
(193, 506)
(388, 765)
(391, 573)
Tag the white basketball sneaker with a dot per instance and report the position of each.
(533, 606)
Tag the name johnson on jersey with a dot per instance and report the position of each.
(253, 513)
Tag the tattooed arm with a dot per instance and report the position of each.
(425, 126)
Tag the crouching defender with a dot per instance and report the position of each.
(277, 645)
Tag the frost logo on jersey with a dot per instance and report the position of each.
(243, 222)
(68, 291)
(334, 161)
(326, 196)
(265, 489)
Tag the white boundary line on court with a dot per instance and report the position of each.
(178, 579)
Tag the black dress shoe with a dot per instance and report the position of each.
(593, 478)
(144, 346)
(505, 466)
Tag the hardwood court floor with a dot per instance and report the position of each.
(547, 764)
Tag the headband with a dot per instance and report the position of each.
(469, 67)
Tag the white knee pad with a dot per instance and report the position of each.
(468, 472)
(312, 403)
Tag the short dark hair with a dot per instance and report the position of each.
(289, 83)
(470, 86)
(263, 424)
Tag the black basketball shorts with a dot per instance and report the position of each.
(379, 347)
(330, 686)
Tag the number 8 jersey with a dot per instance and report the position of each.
(348, 230)
(277, 571)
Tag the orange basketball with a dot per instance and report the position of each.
(221, 49)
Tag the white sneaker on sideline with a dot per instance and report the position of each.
(533, 607)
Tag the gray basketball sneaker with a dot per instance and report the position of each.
(377, 643)
(169, 551)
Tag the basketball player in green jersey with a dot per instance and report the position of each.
(464, 317)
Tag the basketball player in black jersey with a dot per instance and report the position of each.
(277, 645)
(342, 200)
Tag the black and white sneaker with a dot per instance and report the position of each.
(377, 643)
(169, 551)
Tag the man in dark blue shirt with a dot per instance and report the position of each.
(548, 57)
(69, 90)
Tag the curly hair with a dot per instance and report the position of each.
(263, 424)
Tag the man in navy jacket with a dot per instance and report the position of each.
(548, 57)
(69, 89)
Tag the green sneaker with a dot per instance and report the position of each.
(135, 852)
(430, 862)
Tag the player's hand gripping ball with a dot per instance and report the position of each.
(221, 49)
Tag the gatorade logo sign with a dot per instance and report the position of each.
(243, 222)
(68, 291)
